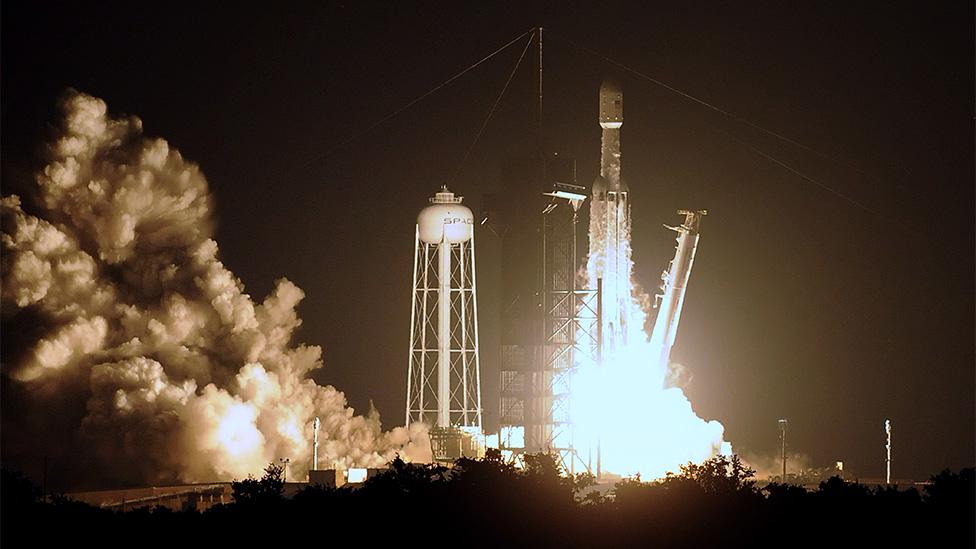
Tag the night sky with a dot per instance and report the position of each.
(835, 302)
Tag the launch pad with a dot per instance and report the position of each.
(580, 311)
(573, 321)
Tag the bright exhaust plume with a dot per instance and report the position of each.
(624, 405)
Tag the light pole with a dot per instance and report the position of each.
(782, 434)
(284, 468)
(315, 443)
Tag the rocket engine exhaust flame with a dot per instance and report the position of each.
(624, 405)
(174, 371)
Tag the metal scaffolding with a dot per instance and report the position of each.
(537, 379)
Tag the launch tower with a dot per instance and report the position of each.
(551, 320)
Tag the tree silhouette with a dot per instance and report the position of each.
(948, 489)
(719, 475)
(269, 489)
(491, 502)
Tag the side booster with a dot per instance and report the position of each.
(675, 284)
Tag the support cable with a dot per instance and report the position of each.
(807, 178)
(751, 124)
(539, 120)
(491, 111)
(893, 222)
(715, 108)
(379, 122)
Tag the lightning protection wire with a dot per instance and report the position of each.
(715, 108)
(494, 107)
(433, 90)
(749, 123)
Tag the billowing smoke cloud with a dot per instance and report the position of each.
(173, 372)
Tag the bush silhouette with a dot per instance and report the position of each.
(491, 502)
(269, 489)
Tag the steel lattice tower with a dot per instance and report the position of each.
(571, 324)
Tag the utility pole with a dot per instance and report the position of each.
(782, 434)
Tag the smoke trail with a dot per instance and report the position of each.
(171, 370)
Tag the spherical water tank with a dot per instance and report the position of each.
(445, 217)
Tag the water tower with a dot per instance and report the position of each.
(443, 380)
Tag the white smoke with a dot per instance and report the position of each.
(768, 466)
(173, 367)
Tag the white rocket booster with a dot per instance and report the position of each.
(675, 283)
(610, 255)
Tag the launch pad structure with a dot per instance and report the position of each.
(558, 313)
(549, 325)
(571, 322)
(552, 322)
(575, 320)
(571, 325)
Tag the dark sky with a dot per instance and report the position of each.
(834, 312)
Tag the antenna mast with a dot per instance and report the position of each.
(540, 88)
